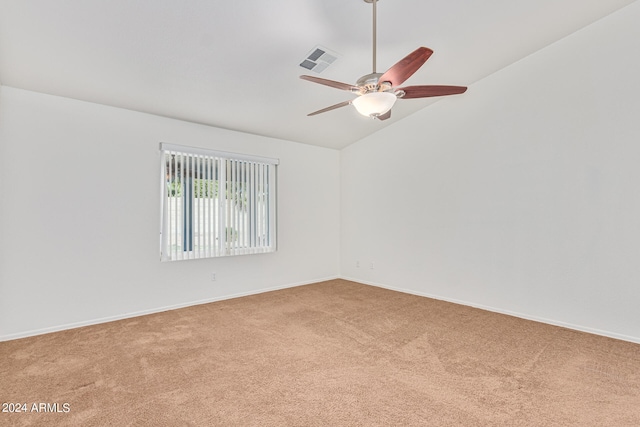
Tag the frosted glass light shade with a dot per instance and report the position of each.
(374, 104)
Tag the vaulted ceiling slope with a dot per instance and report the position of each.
(235, 64)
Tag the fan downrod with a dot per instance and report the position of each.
(375, 34)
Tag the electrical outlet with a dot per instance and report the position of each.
(213, 277)
(357, 264)
(371, 266)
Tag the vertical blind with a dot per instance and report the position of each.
(216, 203)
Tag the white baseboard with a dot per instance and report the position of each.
(98, 321)
(507, 312)
(90, 322)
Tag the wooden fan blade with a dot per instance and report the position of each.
(333, 107)
(331, 83)
(408, 65)
(428, 91)
(385, 116)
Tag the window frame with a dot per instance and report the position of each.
(247, 207)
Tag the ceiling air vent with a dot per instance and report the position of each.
(319, 59)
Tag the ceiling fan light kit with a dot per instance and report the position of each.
(374, 104)
(378, 92)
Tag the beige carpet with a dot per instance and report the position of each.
(335, 353)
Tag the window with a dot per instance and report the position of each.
(216, 204)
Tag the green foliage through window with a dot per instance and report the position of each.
(202, 188)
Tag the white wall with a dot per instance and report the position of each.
(520, 196)
(79, 215)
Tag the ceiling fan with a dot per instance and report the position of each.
(377, 92)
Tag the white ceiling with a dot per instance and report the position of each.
(234, 64)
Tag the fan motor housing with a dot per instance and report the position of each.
(369, 83)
